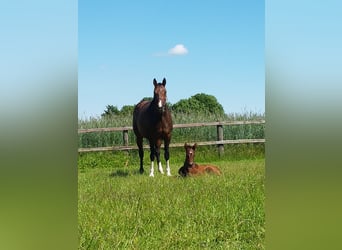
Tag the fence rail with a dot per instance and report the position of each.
(219, 142)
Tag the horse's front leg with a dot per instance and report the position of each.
(152, 155)
(160, 168)
(167, 156)
(141, 153)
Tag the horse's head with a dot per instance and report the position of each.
(159, 96)
(190, 153)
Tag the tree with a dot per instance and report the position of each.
(199, 103)
(127, 110)
(110, 110)
(147, 99)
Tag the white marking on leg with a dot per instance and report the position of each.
(160, 168)
(152, 169)
(168, 170)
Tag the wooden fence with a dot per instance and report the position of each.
(220, 142)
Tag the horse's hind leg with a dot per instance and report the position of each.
(213, 170)
(160, 168)
(141, 153)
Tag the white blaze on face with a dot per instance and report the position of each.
(160, 105)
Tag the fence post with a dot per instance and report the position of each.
(220, 138)
(125, 137)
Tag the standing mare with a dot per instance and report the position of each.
(152, 120)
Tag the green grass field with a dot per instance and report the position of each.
(121, 209)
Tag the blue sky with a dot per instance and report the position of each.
(212, 47)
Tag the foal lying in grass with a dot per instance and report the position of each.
(190, 168)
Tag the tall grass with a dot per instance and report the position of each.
(101, 139)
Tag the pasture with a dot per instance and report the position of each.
(120, 209)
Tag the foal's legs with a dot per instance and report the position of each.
(141, 153)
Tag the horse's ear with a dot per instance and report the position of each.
(194, 146)
(164, 82)
(155, 82)
(185, 145)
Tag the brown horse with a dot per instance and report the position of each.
(152, 120)
(190, 168)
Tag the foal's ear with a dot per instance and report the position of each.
(185, 145)
(164, 82)
(194, 146)
(155, 82)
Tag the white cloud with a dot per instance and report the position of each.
(178, 50)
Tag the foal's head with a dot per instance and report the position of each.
(190, 153)
(159, 96)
